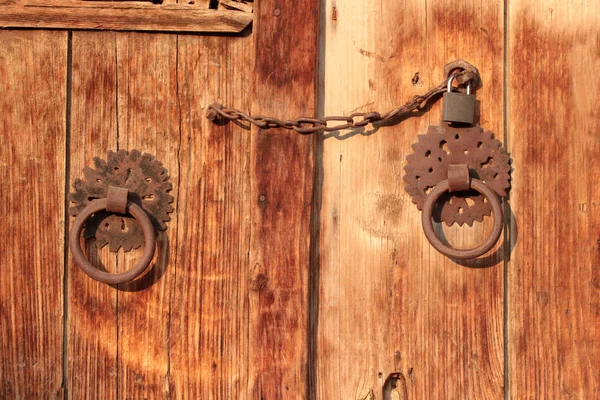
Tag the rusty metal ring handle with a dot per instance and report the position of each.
(82, 261)
(462, 254)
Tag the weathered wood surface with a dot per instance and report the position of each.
(388, 302)
(236, 5)
(32, 204)
(124, 16)
(554, 274)
(204, 328)
(254, 295)
(209, 324)
(284, 83)
(91, 353)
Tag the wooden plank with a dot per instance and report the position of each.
(122, 16)
(105, 1)
(209, 343)
(32, 202)
(388, 302)
(92, 306)
(282, 166)
(553, 284)
(235, 5)
(148, 120)
(196, 3)
(126, 83)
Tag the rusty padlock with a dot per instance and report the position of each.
(458, 107)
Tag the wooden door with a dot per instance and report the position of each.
(295, 266)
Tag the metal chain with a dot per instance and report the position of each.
(305, 125)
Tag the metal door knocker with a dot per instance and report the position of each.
(456, 164)
(122, 202)
(463, 165)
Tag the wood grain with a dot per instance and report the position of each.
(32, 197)
(124, 16)
(390, 307)
(209, 304)
(284, 84)
(92, 342)
(129, 81)
(553, 284)
(235, 5)
(148, 118)
(193, 332)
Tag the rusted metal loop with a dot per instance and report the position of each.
(212, 111)
(373, 116)
(468, 72)
(289, 124)
(367, 118)
(230, 113)
(256, 120)
(116, 200)
(266, 122)
(102, 276)
(338, 118)
(451, 78)
(217, 110)
(348, 123)
(462, 254)
(307, 130)
(458, 178)
(315, 125)
(313, 121)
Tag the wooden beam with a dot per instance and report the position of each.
(124, 17)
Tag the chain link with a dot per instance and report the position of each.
(305, 125)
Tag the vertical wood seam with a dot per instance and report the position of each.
(176, 251)
(68, 103)
(314, 256)
(117, 366)
(507, 210)
(117, 89)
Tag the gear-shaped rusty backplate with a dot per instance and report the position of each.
(444, 145)
(148, 184)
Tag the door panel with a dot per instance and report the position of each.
(225, 300)
(209, 322)
(92, 330)
(553, 285)
(32, 232)
(390, 306)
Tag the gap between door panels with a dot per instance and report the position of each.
(508, 216)
(66, 211)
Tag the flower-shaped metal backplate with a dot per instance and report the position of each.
(148, 184)
(444, 145)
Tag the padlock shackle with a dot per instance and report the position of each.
(451, 78)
